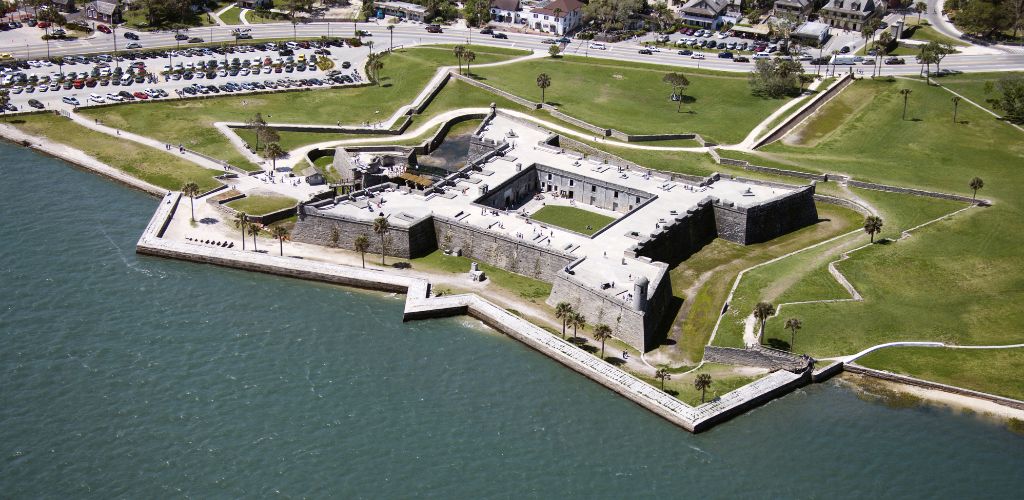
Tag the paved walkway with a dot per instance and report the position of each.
(216, 15)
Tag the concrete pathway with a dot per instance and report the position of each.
(852, 357)
(244, 16)
(216, 15)
(747, 144)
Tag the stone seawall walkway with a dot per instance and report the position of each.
(419, 304)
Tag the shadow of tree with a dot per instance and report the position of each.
(778, 344)
(614, 361)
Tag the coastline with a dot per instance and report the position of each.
(961, 404)
(79, 159)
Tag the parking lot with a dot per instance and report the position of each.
(188, 72)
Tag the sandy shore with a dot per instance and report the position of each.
(935, 397)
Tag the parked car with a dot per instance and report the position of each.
(72, 100)
(103, 28)
(35, 104)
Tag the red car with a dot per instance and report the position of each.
(141, 95)
(102, 28)
(42, 25)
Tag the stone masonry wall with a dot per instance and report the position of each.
(767, 221)
(680, 237)
(626, 324)
(499, 250)
(407, 242)
(755, 356)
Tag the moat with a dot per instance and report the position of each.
(123, 373)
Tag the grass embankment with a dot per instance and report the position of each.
(153, 166)
(957, 281)
(262, 204)
(972, 86)
(994, 371)
(525, 287)
(135, 19)
(632, 97)
(190, 122)
(572, 218)
(232, 16)
(724, 379)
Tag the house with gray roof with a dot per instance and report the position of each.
(799, 9)
(848, 14)
(104, 12)
(704, 13)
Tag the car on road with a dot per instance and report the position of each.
(500, 36)
(35, 104)
(134, 45)
(103, 28)
(487, 31)
(895, 60)
(131, 36)
(725, 55)
(645, 52)
(180, 36)
(195, 39)
(598, 46)
(433, 28)
(243, 36)
(697, 55)
(685, 52)
(548, 41)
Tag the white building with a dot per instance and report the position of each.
(507, 11)
(557, 16)
(704, 13)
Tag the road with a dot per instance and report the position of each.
(406, 34)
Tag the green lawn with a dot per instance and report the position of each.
(190, 122)
(926, 33)
(523, 286)
(572, 218)
(972, 86)
(136, 19)
(957, 281)
(631, 97)
(151, 165)
(262, 204)
(988, 370)
(231, 16)
(723, 380)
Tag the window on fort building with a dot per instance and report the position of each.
(638, 199)
(571, 183)
(593, 189)
(616, 195)
(549, 177)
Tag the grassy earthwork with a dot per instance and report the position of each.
(572, 218)
(262, 204)
(994, 371)
(632, 97)
(156, 167)
(522, 286)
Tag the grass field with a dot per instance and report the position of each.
(972, 86)
(958, 281)
(723, 380)
(151, 165)
(987, 370)
(190, 122)
(231, 16)
(572, 218)
(525, 287)
(631, 97)
(262, 204)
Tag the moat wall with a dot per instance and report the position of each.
(511, 254)
(749, 225)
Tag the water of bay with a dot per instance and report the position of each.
(123, 375)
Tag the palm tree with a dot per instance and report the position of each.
(602, 332)
(956, 103)
(362, 244)
(459, 51)
(906, 95)
(242, 222)
(254, 229)
(470, 56)
(191, 189)
(873, 226)
(273, 151)
(543, 81)
(281, 233)
(763, 311)
(677, 80)
(921, 8)
(381, 228)
(663, 375)
(577, 321)
(793, 324)
(257, 124)
(701, 383)
(564, 312)
(976, 184)
(59, 61)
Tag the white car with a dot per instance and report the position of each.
(114, 98)
(292, 45)
(697, 55)
(721, 34)
(96, 98)
(598, 46)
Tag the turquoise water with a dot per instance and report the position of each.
(123, 375)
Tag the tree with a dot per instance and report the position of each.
(257, 124)
(602, 332)
(381, 226)
(242, 222)
(662, 375)
(1011, 98)
(775, 77)
(906, 95)
(564, 312)
(882, 49)
(254, 229)
(980, 17)
(976, 184)
(1015, 14)
(361, 245)
(458, 52)
(543, 81)
(677, 81)
(267, 135)
(956, 104)
(273, 151)
(939, 51)
(191, 189)
(374, 63)
(59, 61)
(921, 8)
(873, 226)
(577, 321)
(612, 13)
(702, 383)
(5, 99)
(281, 233)
(469, 56)
(476, 12)
(553, 51)
(763, 311)
(793, 324)
(927, 57)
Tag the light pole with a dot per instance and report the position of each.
(113, 33)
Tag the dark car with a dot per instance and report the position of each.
(195, 39)
(181, 36)
(685, 52)
(741, 59)
(433, 28)
(725, 55)
(895, 60)
(346, 65)
(646, 52)
(131, 36)
(35, 104)
(500, 35)
(285, 52)
(844, 50)
(487, 31)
